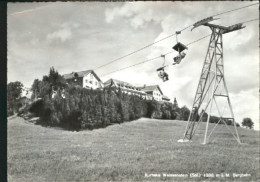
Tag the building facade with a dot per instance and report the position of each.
(146, 92)
(154, 91)
(86, 79)
(89, 79)
(125, 87)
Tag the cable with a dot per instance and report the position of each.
(138, 50)
(199, 39)
(135, 51)
(141, 48)
(186, 27)
(131, 65)
(168, 52)
(235, 9)
(136, 64)
(250, 20)
(152, 58)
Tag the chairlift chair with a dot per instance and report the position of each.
(178, 58)
(179, 47)
(162, 74)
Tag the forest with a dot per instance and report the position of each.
(75, 108)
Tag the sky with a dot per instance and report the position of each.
(77, 36)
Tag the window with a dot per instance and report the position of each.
(86, 81)
(90, 82)
(96, 83)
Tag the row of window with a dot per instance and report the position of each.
(91, 82)
(133, 88)
(131, 93)
(156, 94)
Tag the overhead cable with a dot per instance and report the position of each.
(149, 45)
(167, 52)
(148, 60)
(234, 9)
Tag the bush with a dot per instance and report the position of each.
(248, 123)
(184, 114)
(14, 90)
(10, 112)
(37, 107)
(157, 115)
(73, 120)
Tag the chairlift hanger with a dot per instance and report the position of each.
(177, 33)
(160, 71)
(179, 47)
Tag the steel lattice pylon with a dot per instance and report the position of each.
(212, 88)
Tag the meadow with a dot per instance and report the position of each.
(141, 150)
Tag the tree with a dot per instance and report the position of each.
(14, 90)
(53, 81)
(152, 107)
(248, 123)
(184, 113)
(237, 125)
(204, 116)
(36, 88)
(175, 103)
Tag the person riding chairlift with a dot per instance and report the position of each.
(163, 75)
(178, 58)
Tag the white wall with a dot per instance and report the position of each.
(91, 81)
(157, 95)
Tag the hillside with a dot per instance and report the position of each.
(132, 151)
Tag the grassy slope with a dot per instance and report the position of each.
(126, 152)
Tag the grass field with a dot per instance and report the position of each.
(141, 150)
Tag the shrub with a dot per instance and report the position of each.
(73, 120)
(184, 113)
(248, 123)
(37, 107)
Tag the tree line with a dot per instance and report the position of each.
(75, 108)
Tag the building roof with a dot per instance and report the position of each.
(80, 74)
(125, 86)
(118, 83)
(128, 86)
(151, 88)
(164, 97)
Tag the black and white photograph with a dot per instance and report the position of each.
(133, 91)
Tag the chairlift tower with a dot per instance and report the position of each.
(212, 91)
